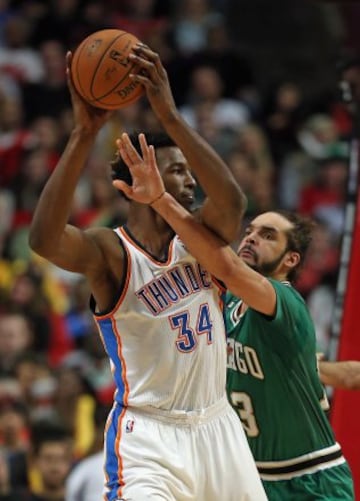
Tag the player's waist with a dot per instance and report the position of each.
(185, 417)
(306, 464)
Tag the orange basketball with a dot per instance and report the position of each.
(100, 69)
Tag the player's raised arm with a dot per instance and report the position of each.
(210, 250)
(50, 235)
(226, 203)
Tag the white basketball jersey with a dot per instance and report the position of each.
(166, 336)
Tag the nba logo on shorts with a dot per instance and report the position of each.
(129, 425)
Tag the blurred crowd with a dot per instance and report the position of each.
(287, 149)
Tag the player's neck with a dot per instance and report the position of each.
(150, 231)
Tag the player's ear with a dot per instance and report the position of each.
(292, 259)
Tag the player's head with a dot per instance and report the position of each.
(275, 243)
(172, 165)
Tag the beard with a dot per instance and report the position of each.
(267, 269)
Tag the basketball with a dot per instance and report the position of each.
(100, 69)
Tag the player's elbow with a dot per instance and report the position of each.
(232, 221)
(40, 243)
(238, 207)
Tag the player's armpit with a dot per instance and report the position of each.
(77, 251)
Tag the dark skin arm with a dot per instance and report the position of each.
(68, 247)
(216, 256)
(95, 253)
(225, 204)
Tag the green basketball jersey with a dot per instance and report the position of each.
(273, 384)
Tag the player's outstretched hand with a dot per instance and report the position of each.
(147, 184)
(87, 117)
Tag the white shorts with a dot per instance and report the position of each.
(179, 456)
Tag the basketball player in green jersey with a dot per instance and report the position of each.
(273, 381)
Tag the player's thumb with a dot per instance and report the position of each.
(122, 186)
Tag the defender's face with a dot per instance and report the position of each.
(264, 245)
(176, 174)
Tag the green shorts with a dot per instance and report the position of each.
(333, 484)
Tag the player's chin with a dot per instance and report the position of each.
(248, 258)
(187, 202)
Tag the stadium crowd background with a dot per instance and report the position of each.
(257, 79)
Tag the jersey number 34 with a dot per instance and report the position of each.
(187, 338)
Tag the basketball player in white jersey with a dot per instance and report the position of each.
(171, 434)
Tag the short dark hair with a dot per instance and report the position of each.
(299, 237)
(119, 169)
(47, 431)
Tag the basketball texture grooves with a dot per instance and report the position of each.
(100, 69)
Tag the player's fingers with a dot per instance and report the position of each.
(143, 80)
(143, 50)
(143, 63)
(124, 153)
(131, 151)
(144, 148)
(122, 186)
(68, 59)
(153, 163)
(152, 158)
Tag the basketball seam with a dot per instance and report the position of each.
(99, 98)
(91, 98)
(77, 58)
(98, 65)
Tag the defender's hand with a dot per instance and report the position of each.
(147, 185)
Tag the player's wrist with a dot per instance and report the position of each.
(157, 199)
(83, 133)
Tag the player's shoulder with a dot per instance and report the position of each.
(286, 290)
(102, 234)
(106, 239)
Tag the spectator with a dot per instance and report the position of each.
(74, 407)
(193, 19)
(16, 337)
(15, 139)
(37, 384)
(14, 440)
(86, 482)
(317, 139)
(282, 114)
(324, 199)
(253, 142)
(207, 87)
(49, 96)
(321, 261)
(140, 17)
(51, 462)
(17, 58)
(7, 491)
(26, 295)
